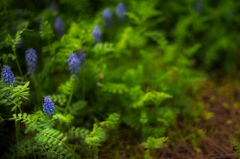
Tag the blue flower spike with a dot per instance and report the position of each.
(59, 27)
(54, 6)
(120, 11)
(73, 63)
(48, 106)
(97, 34)
(107, 17)
(31, 58)
(82, 57)
(7, 75)
(198, 6)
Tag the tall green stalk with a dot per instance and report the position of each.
(95, 152)
(83, 88)
(16, 127)
(19, 68)
(68, 104)
(69, 100)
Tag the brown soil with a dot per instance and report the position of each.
(217, 97)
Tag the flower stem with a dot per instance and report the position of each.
(16, 127)
(95, 152)
(69, 100)
(83, 89)
(68, 104)
(19, 68)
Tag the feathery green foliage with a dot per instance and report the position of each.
(146, 72)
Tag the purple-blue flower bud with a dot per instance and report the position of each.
(48, 106)
(107, 17)
(31, 58)
(73, 63)
(198, 6)
(59, 27)
(53, 5)
(82, 56)
(7, 75)
(97, 35)
(120, 11)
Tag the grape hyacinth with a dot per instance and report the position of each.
(120, 11)
(59, 27)
(19, 13)
(53, 5)
(198, 6)
(31, 58)
(7, 75)
(48, 106)
(107, 17)
(73, 63)
(82, 56)
(97, 35)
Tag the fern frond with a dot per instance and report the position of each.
(24, 149)
(27, 119)
(99, 133)
(46, 31)
(60, 98)
(115, 88)
(102, 49)
(155, 142)
(153, 96)
(236, 145)
(111, 121)
(14, 42)
(5, 57)
(67, 119)
(132, 120)
(55, 151)
(66, 88)
(17, 93)
(96, 136)
(79, 132)
(51, 136)
(156, 131)
(32, 122)
(77, 107)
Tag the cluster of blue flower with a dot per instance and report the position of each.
(7, 75)
(75, 61)
(107, 18)
(8, 78)
(31, 58)
(48, 106)
(59, 27)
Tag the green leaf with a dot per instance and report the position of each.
(13, 108)
(26, 85)
(24, 115)
(3, 101)
(20, 115)
(64, 152)
(68, 155)
(59, 149)
(65, 138)
(59, 136)
(60, 143)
